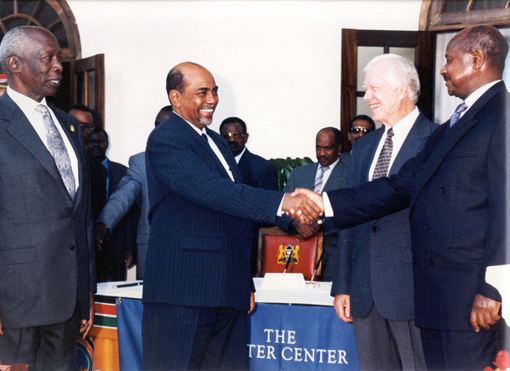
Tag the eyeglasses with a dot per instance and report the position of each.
(235, 135)
(359, 130)
(86, 127)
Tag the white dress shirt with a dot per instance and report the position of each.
(400, 131)
(27, 106)
(213, 146)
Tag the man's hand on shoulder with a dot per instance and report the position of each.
(484, 313)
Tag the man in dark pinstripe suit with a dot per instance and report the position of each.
(197, 282)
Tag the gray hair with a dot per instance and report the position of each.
(400, 71)
(14, 43)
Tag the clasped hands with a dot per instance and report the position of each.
(304, 205)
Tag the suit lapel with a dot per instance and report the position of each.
(227, 155)
(450, 139)
(367, 154)
(243, 165)
(416, 136)
(21, 130)
(73, 135)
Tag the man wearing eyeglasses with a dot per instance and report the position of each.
(255, 170)
(359, 126)
(85, 117)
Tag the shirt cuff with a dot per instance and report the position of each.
(328, 209)
(279, 213)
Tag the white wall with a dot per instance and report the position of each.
(277, 63)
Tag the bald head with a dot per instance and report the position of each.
(193, 93)
(486, 38)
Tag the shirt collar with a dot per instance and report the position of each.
(332, 166)
(405, 124)
(238, 157)
(199, 131)
(24, 102)
(474, 96)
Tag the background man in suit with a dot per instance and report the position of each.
(359, 126)
(373, 284)
(456, 190)
(47, 277)
(132, 188)
(197, 279)
(255, 170)
(114, 254)
(328, 174)
(85, 117)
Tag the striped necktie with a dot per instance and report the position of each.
(317, 188)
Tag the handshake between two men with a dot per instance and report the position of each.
(303, 204)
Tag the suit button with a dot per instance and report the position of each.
(374, 229)
(430, 262)
(72, 247)
(442, 189)
(428, 226)
(415, 261)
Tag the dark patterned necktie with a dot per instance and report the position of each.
(383, 162)
(58, 150)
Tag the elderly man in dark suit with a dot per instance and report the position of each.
(197, 280)
(255, 170)
(456, 190)
(47, 277)
(373, 285)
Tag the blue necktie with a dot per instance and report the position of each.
(58, 150)
(456, 115)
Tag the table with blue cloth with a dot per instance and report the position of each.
(289, 329)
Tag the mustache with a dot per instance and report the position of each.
(446, 77)
(207, 106)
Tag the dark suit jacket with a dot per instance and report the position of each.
(110, 261)
(257, 172)
(375, 260)
(46, 249)
(304, 177)
(455, 188)
(199, 245)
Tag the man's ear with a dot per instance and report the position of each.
(478, 58)
(175, 98)
(13, 64)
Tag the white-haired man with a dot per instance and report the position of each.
(373, 282)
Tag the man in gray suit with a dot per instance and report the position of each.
(373, 284)
(328, 174)
(47, 275)
(131, 188)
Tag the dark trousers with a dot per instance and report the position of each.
(193, 338)
(43, 348)
(384, 344)
(461, 350)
